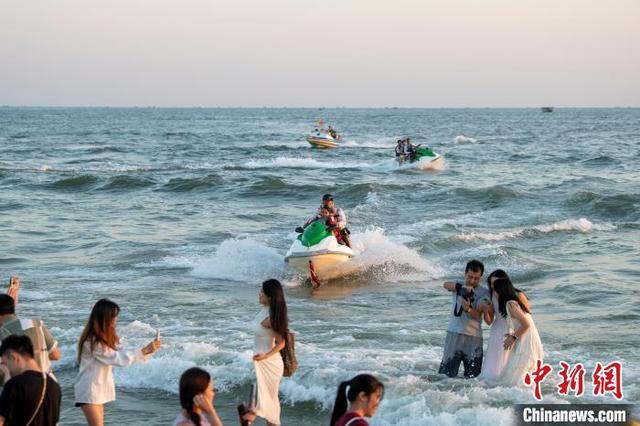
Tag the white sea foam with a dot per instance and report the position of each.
(374, 248)
(241, 259)
(303, 163)
(461, 139)
(578, 225)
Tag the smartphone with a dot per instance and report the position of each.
(13, 282)
(157, 334)
(253, 397)
(242, 410)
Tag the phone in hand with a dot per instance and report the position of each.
(157, 334)
(242, 410)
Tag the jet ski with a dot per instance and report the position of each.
(318, 245)
(322, 139)
(425, 156)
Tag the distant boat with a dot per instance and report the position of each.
(547, 109)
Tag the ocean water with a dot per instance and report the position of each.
(178, 214)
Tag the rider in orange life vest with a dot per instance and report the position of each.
(336, 215)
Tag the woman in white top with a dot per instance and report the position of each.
(496, 356)
(522, 338)
(270, 327)
(98, 352)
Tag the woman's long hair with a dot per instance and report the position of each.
(498, 274)
(350, 390)
(506, 292)
(100, 328)
(194, 381)
(277, 306)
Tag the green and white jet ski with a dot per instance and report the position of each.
(318, 245)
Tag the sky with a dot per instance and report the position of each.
(309, 53)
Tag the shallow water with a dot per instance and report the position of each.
(178, 214)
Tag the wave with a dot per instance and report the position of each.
(578, 225)
(127, 182)
(603, 160)
(241, 259)
(75, 183)
(619, 205)
(190, 184)
(462, 139)
(104, 149)
(490, 195)
(302, 163)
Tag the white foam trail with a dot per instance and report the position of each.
(241, 259)
(579, 225)
(374, 248)
(302, 163)
(460, 139)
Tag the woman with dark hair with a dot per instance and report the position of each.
(496, 356)
(270, 327)
(522, 338)
(196, 400)
(98, 353)
(364, 393)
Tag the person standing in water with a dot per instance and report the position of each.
(98, 353)
(496, 357)
(364, 393)
(522, 338)
(464, 333)
(270, 327)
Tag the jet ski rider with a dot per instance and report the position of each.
(337, 216)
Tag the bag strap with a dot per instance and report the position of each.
(353, 420)
(44, 392)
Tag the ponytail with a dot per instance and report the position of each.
(194, 381)
(350, 390)
(340, 406)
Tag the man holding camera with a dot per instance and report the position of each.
(464, 333)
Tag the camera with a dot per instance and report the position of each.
(465, 293)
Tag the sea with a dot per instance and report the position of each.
(178, 215)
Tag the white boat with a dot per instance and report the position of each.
(320, 247)
(322, 139)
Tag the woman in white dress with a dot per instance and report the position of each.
(496, 356)
(98, 353)
(522, 338)
(270, 327)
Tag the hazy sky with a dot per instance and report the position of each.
(432, 53)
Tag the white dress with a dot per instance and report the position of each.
(268, 371)
(526, 351)
(496, 357)
(94, 383)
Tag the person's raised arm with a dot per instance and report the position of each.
(14, 288)
(449, 285)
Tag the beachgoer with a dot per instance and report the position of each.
(364, 393)
(464, 333)
(196, 399)
(496, 356)
(270, 327)
(31, 397)
(399, 149)
(98, 353)
(46, 347)
(522, 337)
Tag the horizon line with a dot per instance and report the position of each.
(317, 107)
